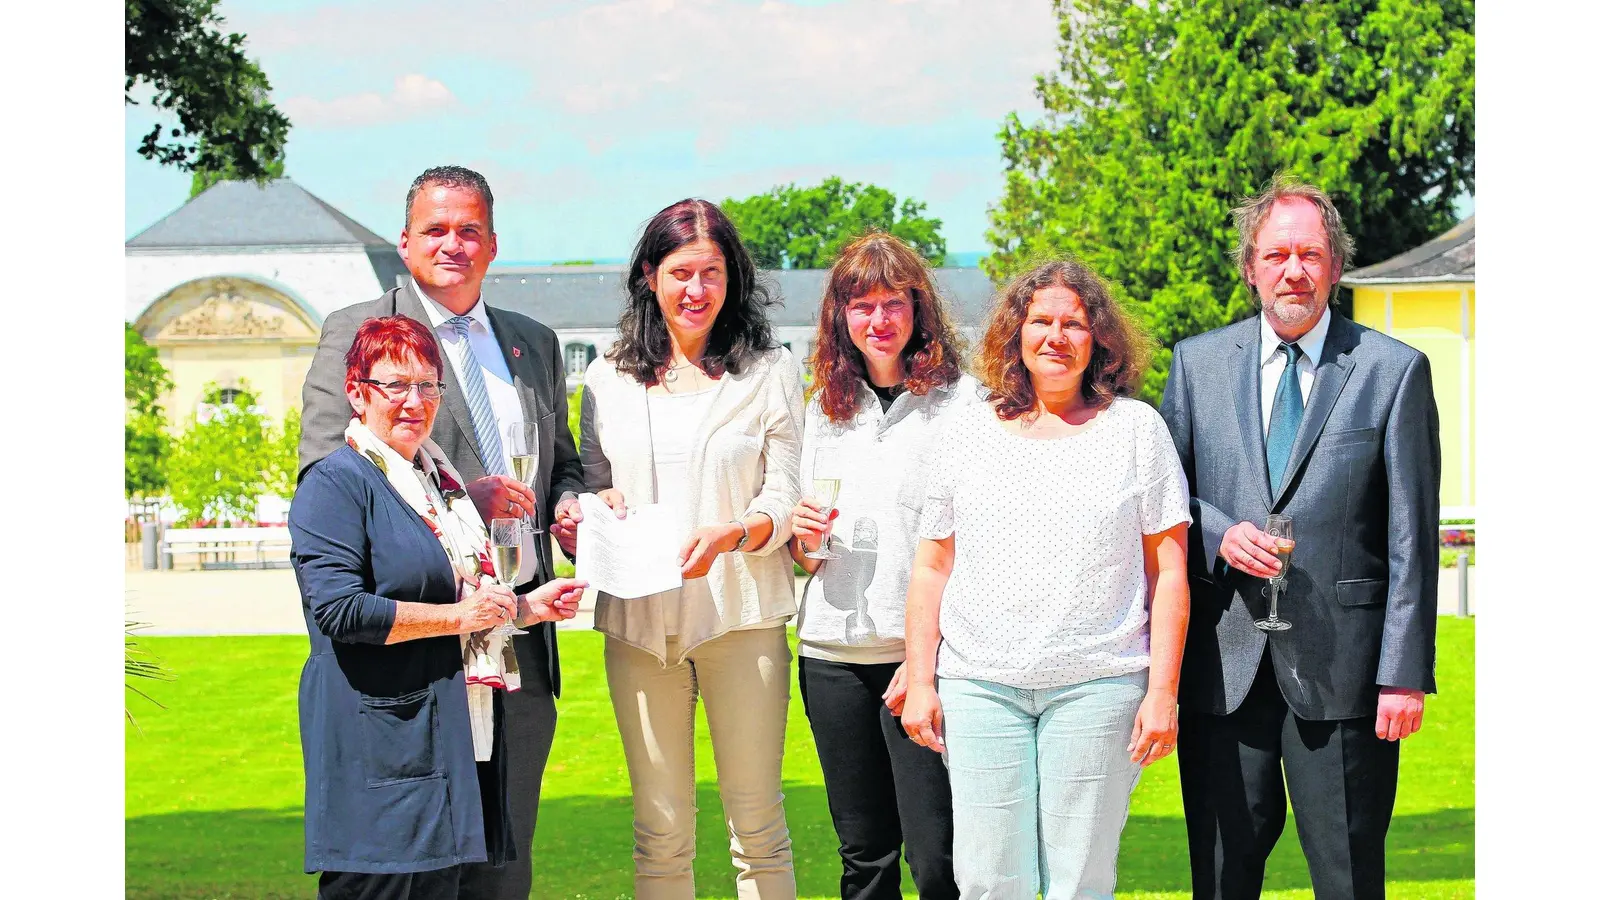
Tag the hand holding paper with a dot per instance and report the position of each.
(629, 557)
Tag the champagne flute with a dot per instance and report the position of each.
(505, 538)
(1281, 528)
(825, 491)
(522, 444)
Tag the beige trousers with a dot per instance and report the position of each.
(744, 678)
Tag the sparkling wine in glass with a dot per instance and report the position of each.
(522, 444)
(825, 474)
(505, 539)
(1281, 528)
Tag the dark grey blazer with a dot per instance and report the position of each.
(1363, 487)
(540, 378)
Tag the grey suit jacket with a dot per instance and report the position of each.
(1362, 484)
(540, 378)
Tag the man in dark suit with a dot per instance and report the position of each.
(502, 366)
(1300, 411)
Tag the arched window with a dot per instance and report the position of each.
(578, 355)
(226, 398)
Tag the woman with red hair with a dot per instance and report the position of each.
(888, 371)
(405, 759)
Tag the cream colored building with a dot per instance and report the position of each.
(232, 288)
(1427, 297)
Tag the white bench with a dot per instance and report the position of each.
(225, 542)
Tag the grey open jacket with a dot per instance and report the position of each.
(1362, 484)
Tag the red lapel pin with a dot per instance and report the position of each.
(517, 352)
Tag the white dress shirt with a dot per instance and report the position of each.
(497, 381)
(1273, 360)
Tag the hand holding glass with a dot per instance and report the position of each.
(1281, 528)
(825, 492)
(522, 445)
(505, 538)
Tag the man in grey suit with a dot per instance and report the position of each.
(502, 366)
(1300, 411)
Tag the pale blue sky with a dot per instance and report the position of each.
(587, 117)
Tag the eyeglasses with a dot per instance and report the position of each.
(399, 390)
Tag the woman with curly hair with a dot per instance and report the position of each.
(1049, 593)
(698, 408)
(888, 375)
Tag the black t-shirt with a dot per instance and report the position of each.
(886, 395)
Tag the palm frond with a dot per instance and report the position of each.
(136, 665)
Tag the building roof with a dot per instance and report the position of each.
(1450, 257)
(240, 215)
(566, 297)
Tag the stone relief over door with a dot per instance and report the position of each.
(225, 309)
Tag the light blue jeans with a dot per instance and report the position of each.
(1040, 781)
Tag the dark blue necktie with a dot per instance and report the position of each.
(1288, 408)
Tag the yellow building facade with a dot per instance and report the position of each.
(236, 333)
(1426, 298)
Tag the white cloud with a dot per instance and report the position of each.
(598, 112)
(670, 63)
(413, 95)
(720, 62)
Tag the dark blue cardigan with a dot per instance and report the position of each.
(391, 784)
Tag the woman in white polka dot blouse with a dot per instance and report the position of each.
(1048, 594)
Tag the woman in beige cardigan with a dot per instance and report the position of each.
(697, 407)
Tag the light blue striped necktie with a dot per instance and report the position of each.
(1288, 408)
(484, 424)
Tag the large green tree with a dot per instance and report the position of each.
(225, 124)
(1163, 114)
(145, 441)
(793, 227)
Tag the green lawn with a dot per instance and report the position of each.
(214, 790)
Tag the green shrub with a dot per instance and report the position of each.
(574, 404)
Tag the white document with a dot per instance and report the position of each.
(629, 557)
